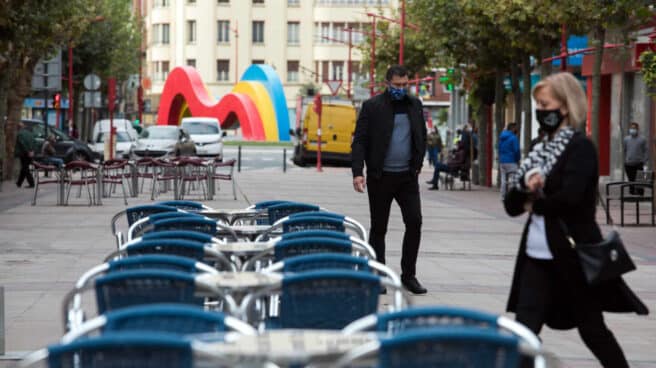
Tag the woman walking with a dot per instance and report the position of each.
(557, 184)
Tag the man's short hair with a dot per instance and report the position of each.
(634, 125)
(398, 70)
(511, 126)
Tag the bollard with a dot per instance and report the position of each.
(239, 158)
(284, 160)
(2, 320)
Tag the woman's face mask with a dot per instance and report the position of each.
(633, 131)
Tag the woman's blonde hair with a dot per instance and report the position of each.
(567, 89)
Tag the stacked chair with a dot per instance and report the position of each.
(279, 283)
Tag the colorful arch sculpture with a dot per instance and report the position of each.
(257, 103)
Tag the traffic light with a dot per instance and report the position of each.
(447, 79)
(56, 101)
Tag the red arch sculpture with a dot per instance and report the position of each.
(184, 86)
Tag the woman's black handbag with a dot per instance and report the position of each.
(602, 261)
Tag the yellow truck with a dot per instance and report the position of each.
(337, 129)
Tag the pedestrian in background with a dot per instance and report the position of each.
(537, 139)
(390, 139)
(635, 155)
(557, 184)
(509, 155)
(48, 153)
(24, 151)
(433, 145)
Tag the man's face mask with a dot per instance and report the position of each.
(633, 131)
(397, 93)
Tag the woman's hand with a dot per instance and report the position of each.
(535, 182)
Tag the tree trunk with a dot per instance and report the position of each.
(517, 94)
(526, 101)
(482, 140)
(19, 88)
(4, 86)
(546, 68)
(499, 108)
(600, 36)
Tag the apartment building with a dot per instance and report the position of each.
(303, 40)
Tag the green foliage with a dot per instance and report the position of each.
(648, 60)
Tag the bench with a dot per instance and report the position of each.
(644, 182)
(462, 173)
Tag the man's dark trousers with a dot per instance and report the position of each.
(25, 171)
(404, 188)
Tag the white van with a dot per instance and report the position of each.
(125, 136)
(206, 134)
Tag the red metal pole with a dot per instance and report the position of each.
(372, 68)
(350, 46)
(111, 85)
(401, 35)
(70, 86)
(563, 48)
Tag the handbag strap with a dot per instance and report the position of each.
(566, 232)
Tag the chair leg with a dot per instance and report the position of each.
(234, 190)
(621, 212)
(152, 191)
(637, 212)
(36, 189)
(607, 211)
(91, 199)
(125, 197)
(68, 194)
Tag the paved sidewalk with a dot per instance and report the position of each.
(466, 258)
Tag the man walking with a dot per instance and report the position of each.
(635, 155)
(390, 138)
(24, 151)
(509, 155)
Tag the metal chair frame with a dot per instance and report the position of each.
(157, 208)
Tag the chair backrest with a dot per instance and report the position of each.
(185, 205)
(280, 210)
(195, 223)
(136, 213)
(334, 215)
(431, 317)
(126, 350)
(289, 248)
(266, 204)
(328, 299)
(137, 287)
(315, 234)
(325, 261)
(448, 348)
(172, 318)
(179, 234)
(313, 223)
(154, 261)
(177, 247)
(145, 224)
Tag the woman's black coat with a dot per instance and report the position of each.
(570, 194)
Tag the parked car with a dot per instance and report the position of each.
(66, 148)
(163, 141)
(126, 135)
(206, 134)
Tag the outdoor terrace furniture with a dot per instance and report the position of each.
(134, 214)
(222, 170)
(193, 172)
(427, 318)
(318, 220)
(82, 174)
(183, 205)
(115, 172)
(145, 224)
(179, 319)
(164, 172)
(44, 175)
(637, 192)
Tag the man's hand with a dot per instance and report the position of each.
(358, 184)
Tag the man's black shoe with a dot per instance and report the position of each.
(434, 187)
(383, 290)
(429, 182)
(413, 285)
(31, 186)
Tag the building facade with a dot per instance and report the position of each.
(305, 41)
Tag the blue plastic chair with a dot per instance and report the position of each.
(198, 223)
(185, 205)
(277, 211)
(180, 234)
(159, 262)
(134, 214)
(326, 299)
(125, 350)
(302, 223)
(322, 261)
(145, 224)
(176, 319)
(452, 347)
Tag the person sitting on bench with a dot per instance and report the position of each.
(457, 161)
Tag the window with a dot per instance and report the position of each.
(191, 2)
(292, 70)
(223, 31)
(257, 61)
(325, 65)
(191, 31)
(222, 70)
(258, 2)
(293, 31)
(165, 69)
(338, 31)
(293, 2)
(223, 2)
(191, 62)
(325, 32)
(338, 70)
(156, 33)
(258, 31)
(161, 3)
(165, 33)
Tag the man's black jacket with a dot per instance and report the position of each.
(373, 133)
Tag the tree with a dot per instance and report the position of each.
(32, 29)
